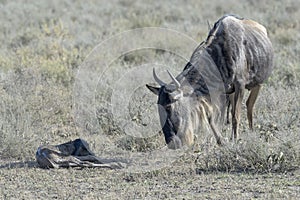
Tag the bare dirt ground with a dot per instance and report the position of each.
(23, 180)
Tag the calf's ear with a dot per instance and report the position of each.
(153, 89)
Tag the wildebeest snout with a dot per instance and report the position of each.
(175, 142)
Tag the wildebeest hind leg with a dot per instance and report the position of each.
(250, 103)
(229, 103)
(236, 110)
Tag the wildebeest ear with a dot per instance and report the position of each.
(153, 89)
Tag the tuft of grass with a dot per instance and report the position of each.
(252, 153)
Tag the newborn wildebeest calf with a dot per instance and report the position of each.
(75, 153)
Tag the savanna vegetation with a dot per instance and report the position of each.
(45, 43)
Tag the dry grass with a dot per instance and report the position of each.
(43, 45)
(179, 182)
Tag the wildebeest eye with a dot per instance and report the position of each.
(168, 106)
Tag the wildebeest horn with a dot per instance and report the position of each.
(160, 82)
(209, 26)
(174, 79)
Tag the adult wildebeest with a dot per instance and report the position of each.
(236, 55)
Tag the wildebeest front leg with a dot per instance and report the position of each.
(215, 131)
(250, 103)
(236, 110)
